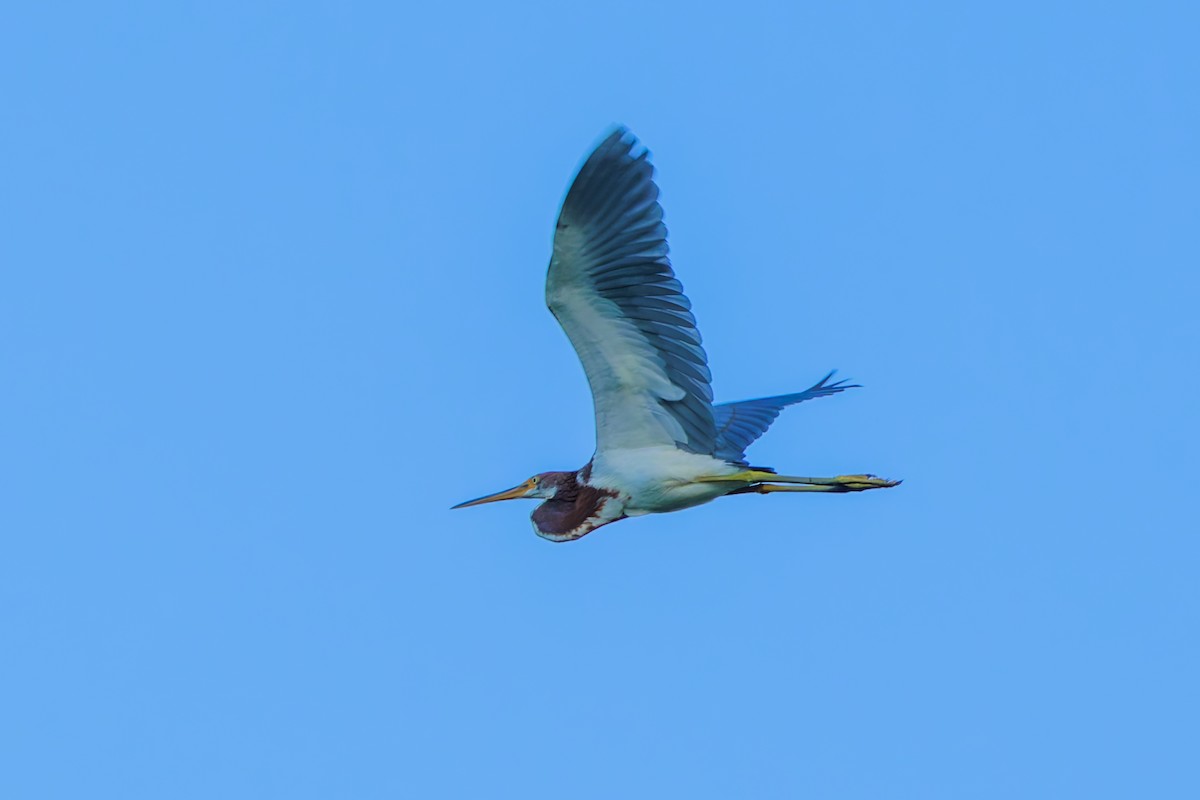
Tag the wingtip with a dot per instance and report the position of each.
(825, 386)
(614, 132)
(619, 136)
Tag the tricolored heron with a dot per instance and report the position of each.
(661, 444)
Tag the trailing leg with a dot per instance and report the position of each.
(768, 488)
(841, 483)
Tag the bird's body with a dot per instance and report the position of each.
(654, 480)
(661, 444)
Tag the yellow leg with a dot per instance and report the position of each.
(767, 488)
(745, 476)
(842, 483)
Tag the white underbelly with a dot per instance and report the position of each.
(654, 480)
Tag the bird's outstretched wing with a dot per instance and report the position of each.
(739, 424)
(611, 287)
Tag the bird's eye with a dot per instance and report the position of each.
(536, 480)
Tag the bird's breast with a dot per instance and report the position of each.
(585, 508)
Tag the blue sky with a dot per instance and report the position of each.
(271, 302)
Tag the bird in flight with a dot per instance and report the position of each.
(661, 444)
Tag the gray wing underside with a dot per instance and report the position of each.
(740, 424)
(611, 287)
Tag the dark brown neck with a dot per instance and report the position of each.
(574, 509)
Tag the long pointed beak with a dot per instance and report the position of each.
(509, 494)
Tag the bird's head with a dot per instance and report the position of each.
(544, 486)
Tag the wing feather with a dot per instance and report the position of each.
(740, 424)
(611, 287)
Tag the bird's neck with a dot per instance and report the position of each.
(577, 507)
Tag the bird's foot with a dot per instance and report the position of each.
(860, 483)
